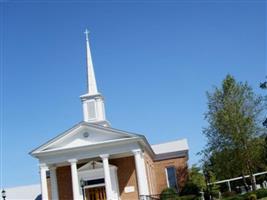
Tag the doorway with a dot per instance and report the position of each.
(95, 193)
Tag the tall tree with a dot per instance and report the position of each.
(234, 117)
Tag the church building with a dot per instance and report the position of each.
(94, 161)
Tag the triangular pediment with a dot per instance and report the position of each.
(90, 166)
(93, 165)
(84, 134)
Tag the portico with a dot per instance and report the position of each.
(92, 162)
(95, 170)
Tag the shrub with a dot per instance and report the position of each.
(229, 194)
(215, 194)
(237, 197)
(188, 197)
(258, 194)
(190, 189)
(261, 193)
(252, 197)
(168, 194)
(246, 195)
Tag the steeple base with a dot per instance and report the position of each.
(94, 109)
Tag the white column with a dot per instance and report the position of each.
(229, 186)
(74, 178)
(141, 172)
(107, 176)
(85, 111)
(43, 169)
(53, 179)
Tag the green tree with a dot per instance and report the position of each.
(197, 177)
(234, 123)
(195, 182)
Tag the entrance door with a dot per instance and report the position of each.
(96, 193)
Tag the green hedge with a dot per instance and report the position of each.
(261, 193)
(171, 194)
(258, 194)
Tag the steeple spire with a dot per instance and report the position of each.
(93, 101)
(91, 82)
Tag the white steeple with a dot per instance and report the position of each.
(93, 101)
(91, 82)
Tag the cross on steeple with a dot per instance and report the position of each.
(86, 32)
(93, 101)
(91, 82)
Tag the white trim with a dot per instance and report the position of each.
(140, 167)
(44, 189)
(53, 180)
(90, 145)
(108, 184)
(88, 174)
(74, 179)
(75, 128)
(167, 178)
(237, 178)
(94, 186)
(62, 156)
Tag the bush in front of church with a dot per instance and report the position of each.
(190, 188)
(169, 194)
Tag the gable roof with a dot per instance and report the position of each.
(108, 134)
(73, 139)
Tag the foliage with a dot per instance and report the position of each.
(168, 194)
(236, 197)
(212, 189)
(196, 177)
(234, 117)
(195, 182)
(260, 194)
(252, 197)
(229, 194)
(190, 188)
(187, 197)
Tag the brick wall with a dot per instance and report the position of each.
(64, 183)
(151, 176)
(126, 176)
(49, 188)
(181, 170)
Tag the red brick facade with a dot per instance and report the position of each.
(181, 170)
(64, 183)
(127, 176)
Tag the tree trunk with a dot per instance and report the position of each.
(245, 182)
(252, 178)
(253, 182)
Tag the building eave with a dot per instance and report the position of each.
(87, 147)
(61, 135)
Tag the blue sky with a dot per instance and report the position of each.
(154, 61)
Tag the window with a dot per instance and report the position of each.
(92, 109)
(171, 177)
